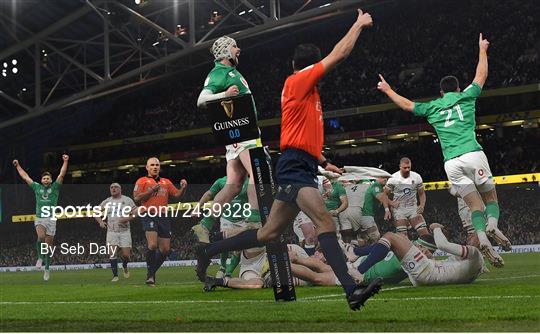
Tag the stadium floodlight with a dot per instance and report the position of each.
(14, 62)
(14, 70)
(137, 2)
(5, 65)
(4, 74)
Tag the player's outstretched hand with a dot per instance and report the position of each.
(483, 43)
(232, 91)
(383, 86)
(364, 19)
(433, 226)
(387, 215)
(332, 168)
(183, 183)
(65, 157)
(16, 163)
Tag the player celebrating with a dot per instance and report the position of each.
(152, 192)
(466, 165)
(463, 265)
(46, 196)
(225, 81)
(118, 230)
(405, 185)
(301, 145)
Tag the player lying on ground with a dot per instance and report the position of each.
(225, 81)
(118, 230)
(46, 196)
(406, 185)
(463, 265)
(302, 138)
(307, 270)
(466, 165)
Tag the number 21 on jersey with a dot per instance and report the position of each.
(449, 121)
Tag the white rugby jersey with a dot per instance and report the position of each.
(114, 212)
(405, 189)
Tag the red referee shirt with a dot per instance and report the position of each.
(301, 111)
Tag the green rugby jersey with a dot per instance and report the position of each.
(222, 77)
(237, 204)
(389, 269)
(333, 201)
(371, 203)
(453, 118)
(45, 196)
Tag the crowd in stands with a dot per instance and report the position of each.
(519, 221)
(413, 57)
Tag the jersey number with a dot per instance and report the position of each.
(449, 122)
(354, 188)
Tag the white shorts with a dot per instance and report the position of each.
(121, 239)
(254, 267)
(469, 172)
(417, 266)
(226, 224)
(405, 212)
(234, 150)
(300, 220)
(364, 223)
(450, 271)
(48, 223)
(340, 226)
(350, 217)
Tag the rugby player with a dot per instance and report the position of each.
(374, 197)
(225, 81)
(152, 192)
(335, 200)
(463, 265)
(466, 165)
(406, 186)
(118, 232)
(231, 217)
(47, 193)
(301, 145)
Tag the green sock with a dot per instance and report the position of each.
(254, 216)
(233, 263)
(38, 248)
(223, 259)
(478, 220)
(208, 222)
(47, 262)
(492, 212)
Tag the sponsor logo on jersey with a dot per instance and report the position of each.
(231, 124)
(228, 106)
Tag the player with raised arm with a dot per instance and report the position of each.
(302, 137)
(47, 193)
(463, 265)
(466, 165)
(118, 231)
(406, 186)
(225, 81)
(152, 192)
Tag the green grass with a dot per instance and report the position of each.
(505, 299)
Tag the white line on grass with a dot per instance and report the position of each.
(504, 278)
(256, 301)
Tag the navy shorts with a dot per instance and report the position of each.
(161, 225)
(295, 170)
